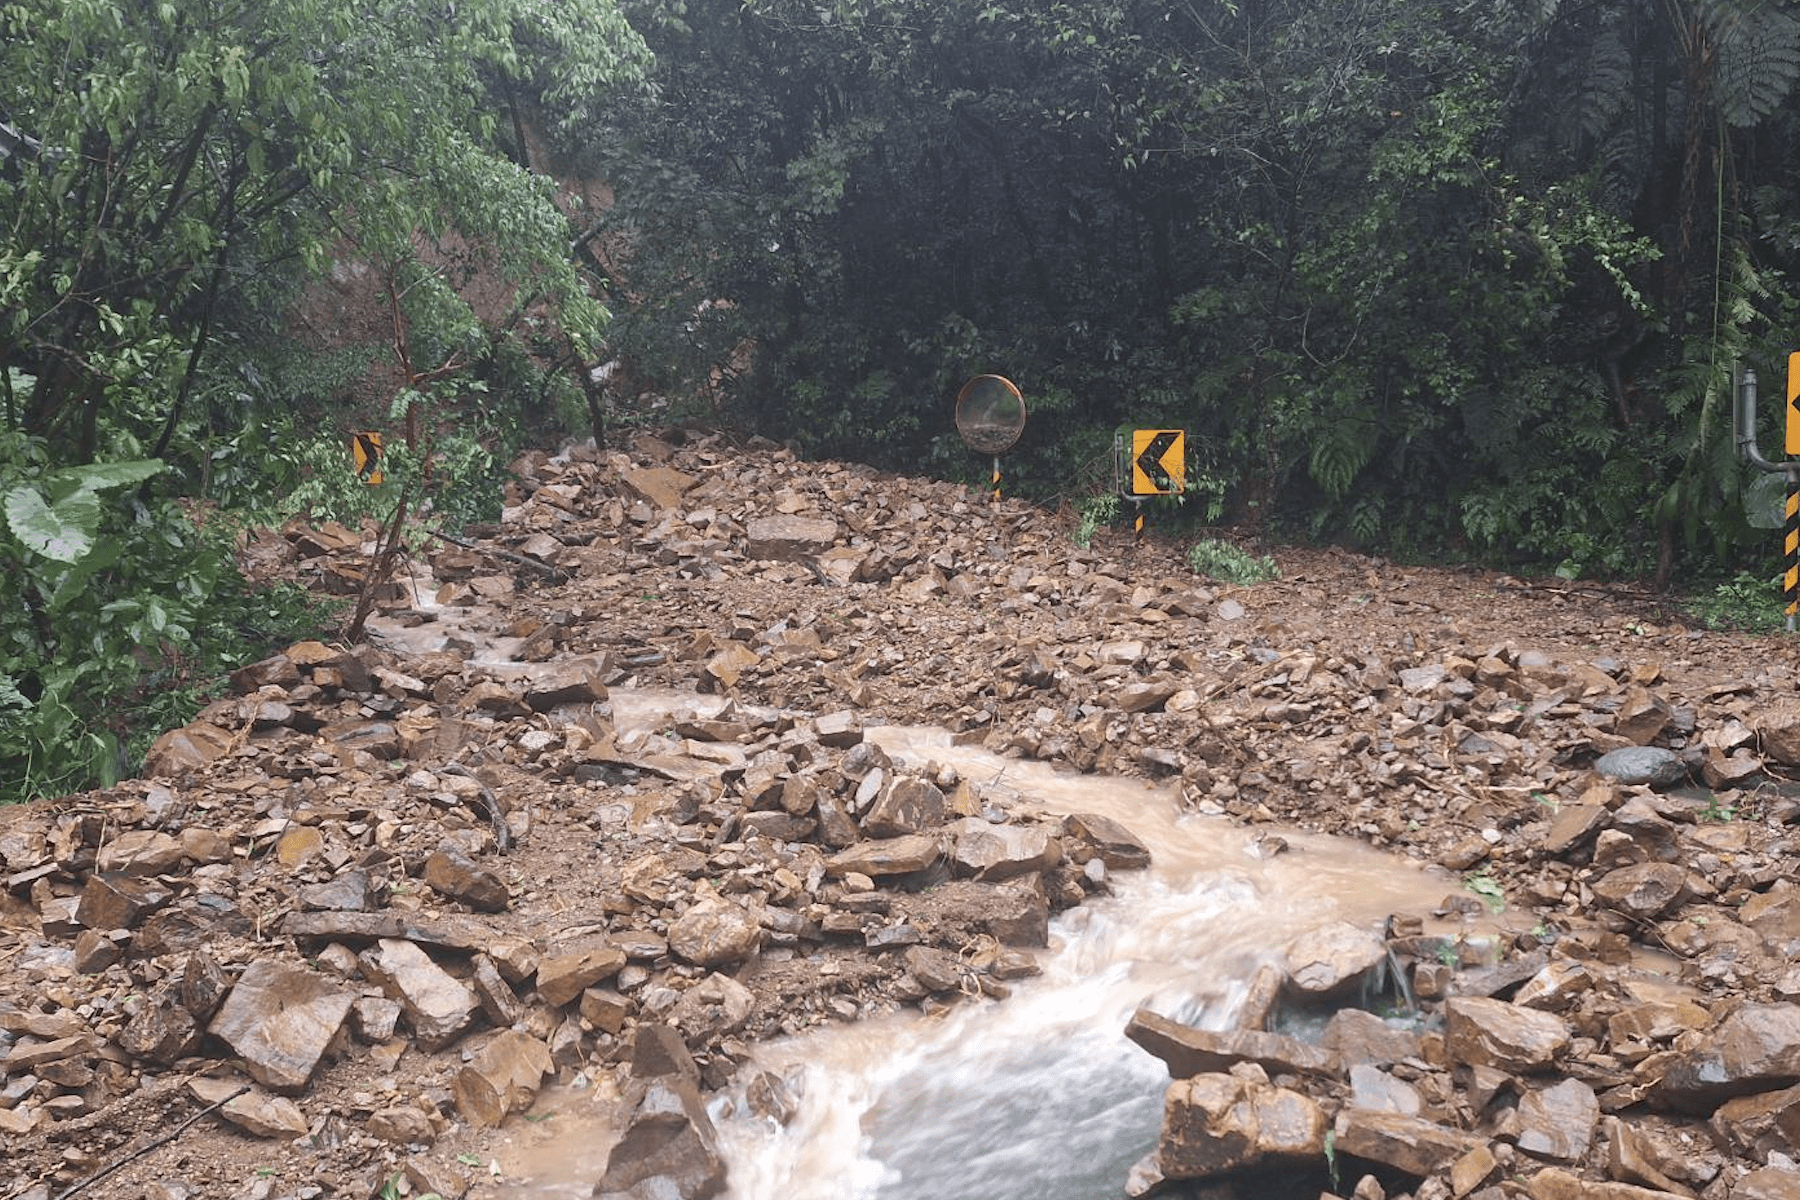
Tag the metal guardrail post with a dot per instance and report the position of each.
(1743, 426)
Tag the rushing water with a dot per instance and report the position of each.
(1040, 1096)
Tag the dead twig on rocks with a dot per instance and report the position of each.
(164, 1140)
(496, 815)
(384, 563)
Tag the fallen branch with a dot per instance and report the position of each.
(379, 572)
(164, 1140)
(556, 574)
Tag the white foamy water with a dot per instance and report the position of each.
(1041, 1096)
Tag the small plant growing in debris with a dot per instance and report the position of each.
(1483, 884)
(1095, 511)
(1229, 564)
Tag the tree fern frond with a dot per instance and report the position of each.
(1336, 461)
(1606, 86)
(1759, 56)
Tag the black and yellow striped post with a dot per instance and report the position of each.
(1792, 445)
(1743, 431)
(1791, 581)
(996, 480)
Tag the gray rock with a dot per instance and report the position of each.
(1755, 1049)
(1557, 1123)
(713, 1008)
(908, 805)
(669, 1150)
(1643, 764)
(992, 852)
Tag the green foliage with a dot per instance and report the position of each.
(1745, 602)
(1483, 884)
(1230, 564)
(116, 619)
(1094, 512)
(177, 155)
(1437, 280)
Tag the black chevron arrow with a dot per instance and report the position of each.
(1150, 461)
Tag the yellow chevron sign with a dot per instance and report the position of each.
(1158, 462)
(365, 451)
(1793, 410)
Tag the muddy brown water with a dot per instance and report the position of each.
(1039, 1096)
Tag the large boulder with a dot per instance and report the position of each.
(715, 932)
(1213, 1124)
(1333, 958)
(669, 1149)
(1483, 1032)
(988, 851)
(1410, 1144)
(280, 1019)
(1189, 1051)
(1755, 1049)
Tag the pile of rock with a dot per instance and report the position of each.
(363, 857)
(392, 888)
(1561, 1073)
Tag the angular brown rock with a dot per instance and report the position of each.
(438, 1005)
(1492, 1033)
(1755, 1049)
(1215, 1124)
(281, 1019)
(1189, 1051)
(568, 969)
(715, 931)
(503, 1077)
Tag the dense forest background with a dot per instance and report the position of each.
(1433, 277)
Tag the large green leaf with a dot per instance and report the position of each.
(100, 477)
(63, 531)
(63, 527)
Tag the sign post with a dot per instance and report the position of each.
(1790, 580)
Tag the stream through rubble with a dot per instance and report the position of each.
(1039, 1095)
(619, 860)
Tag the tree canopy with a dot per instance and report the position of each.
(1457, 278)
(172, 176)
(1430, 276)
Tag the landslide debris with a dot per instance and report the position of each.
(598, 802)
